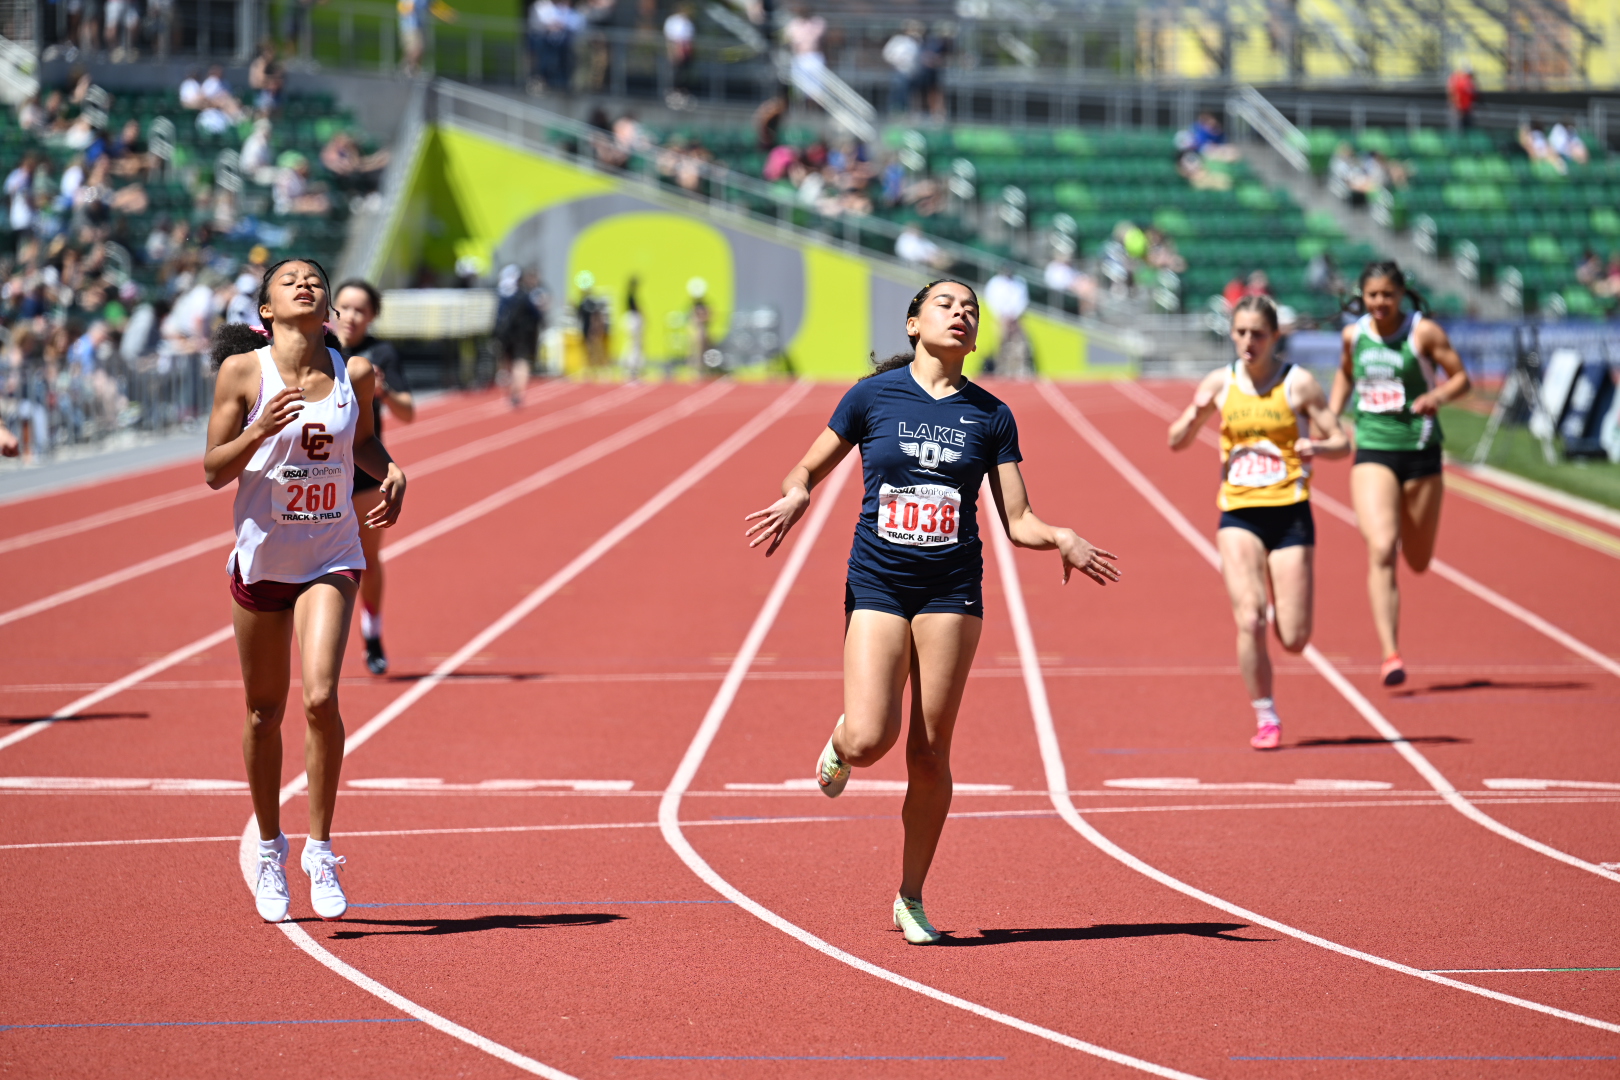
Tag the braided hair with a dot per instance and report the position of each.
(912, 310)
(1387, 268)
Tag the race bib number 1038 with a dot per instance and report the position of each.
(309, 494)
(923, 515)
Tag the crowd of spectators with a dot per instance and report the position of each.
(101, 297)
(1360, 178)
(1556, 148)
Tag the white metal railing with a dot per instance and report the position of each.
(363, 256)
(848, 109)
(1252, 107)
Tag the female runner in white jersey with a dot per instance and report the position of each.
(913, 602)
(290, 423)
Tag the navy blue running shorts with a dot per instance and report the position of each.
(966, 598)
(1276, 526)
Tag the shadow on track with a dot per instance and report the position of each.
(1102, 932)
(76, 717)
(441, 927)
(1490, 684)
(1374, 740)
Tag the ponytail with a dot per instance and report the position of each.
(229, 339)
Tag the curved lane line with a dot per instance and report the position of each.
(1164, 410)
(431, 465)
(534, 482)
(669, 808)
(247, 852)
(1414, 757)
(1057, 782)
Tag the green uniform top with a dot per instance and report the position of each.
(1389, 375)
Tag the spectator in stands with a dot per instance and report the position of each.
(31, 114)
(1608, 286)
(629, 136)
(1566, 143)
(680, 47)
(1589, 268)
(413, 17)
(343, 158)
(258, 158)
(1256, 284)
(120, 32)
(243, 305)
(1533, 139)
(780, 163)
(293, 192)
(1322, 275)
(803, 33)
(936, 54)
(160, 25)
(1006, 298)
(552, 26)
(1162, 253)
(20, 191)
(263, 62)
(191, 91)
(295, 18)
(768, 122)
(911, 246)
(130, 158)
(217, 94)
(903, 53)
(1207, 138)
(1061, 276)
(1196, 171)
(1462, 92)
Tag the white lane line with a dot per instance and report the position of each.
(551, 473)
(1516, 971)
(225, 539)
(782, 820)
(1156, 405)
(1414, 757)
(195, 492)
(669, 807)
(1057, 782)
(646, 512)
(1552, 496)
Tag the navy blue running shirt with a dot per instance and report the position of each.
(923, 460)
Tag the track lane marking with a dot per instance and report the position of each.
(432, 465)
(1546, 520)
(1057, 775)
(1357, 700)
(192, 493)
(670, 823)
(1164, 410)
(551, 473)
(1592, 511)
(705, 465)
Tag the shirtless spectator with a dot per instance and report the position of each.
(344, 159)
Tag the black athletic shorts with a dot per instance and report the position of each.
(963, 598)
(1276, 526)
(1405, 464)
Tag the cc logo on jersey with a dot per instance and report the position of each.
(315, 441)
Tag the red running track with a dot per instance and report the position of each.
(553, 928)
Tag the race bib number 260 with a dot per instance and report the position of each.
(923, 515)
(309, 494)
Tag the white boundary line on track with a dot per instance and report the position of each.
(224, 539)
(1164, 410)
(1057, 782)
(577, 460)
(579, 564)
(193, 492)
(1594, 511)
(1358, 701)
(669, 808)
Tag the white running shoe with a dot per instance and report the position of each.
(910, 920)
(270, 890)
(831, 771)
(325, 891)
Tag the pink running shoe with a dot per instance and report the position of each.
(1393, 672)
(1269, 737)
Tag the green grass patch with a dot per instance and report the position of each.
(1517, 451)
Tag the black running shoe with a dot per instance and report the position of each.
(376, 662)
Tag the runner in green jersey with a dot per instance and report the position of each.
(1397, 369)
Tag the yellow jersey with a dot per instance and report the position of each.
(1259, 466)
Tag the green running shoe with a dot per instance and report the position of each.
(831, 772)
(910, 920)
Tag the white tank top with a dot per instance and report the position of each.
(294, 518)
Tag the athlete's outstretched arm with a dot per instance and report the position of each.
(1027, 530)
(1185, 428)
(231, 444)
(1431, 341)
(1325, 438)
(774, 522)
(369, 452)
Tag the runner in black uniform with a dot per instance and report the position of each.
(913, 602)
(356, 304)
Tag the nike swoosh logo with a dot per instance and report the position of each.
(965, 420)
(343, 404)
